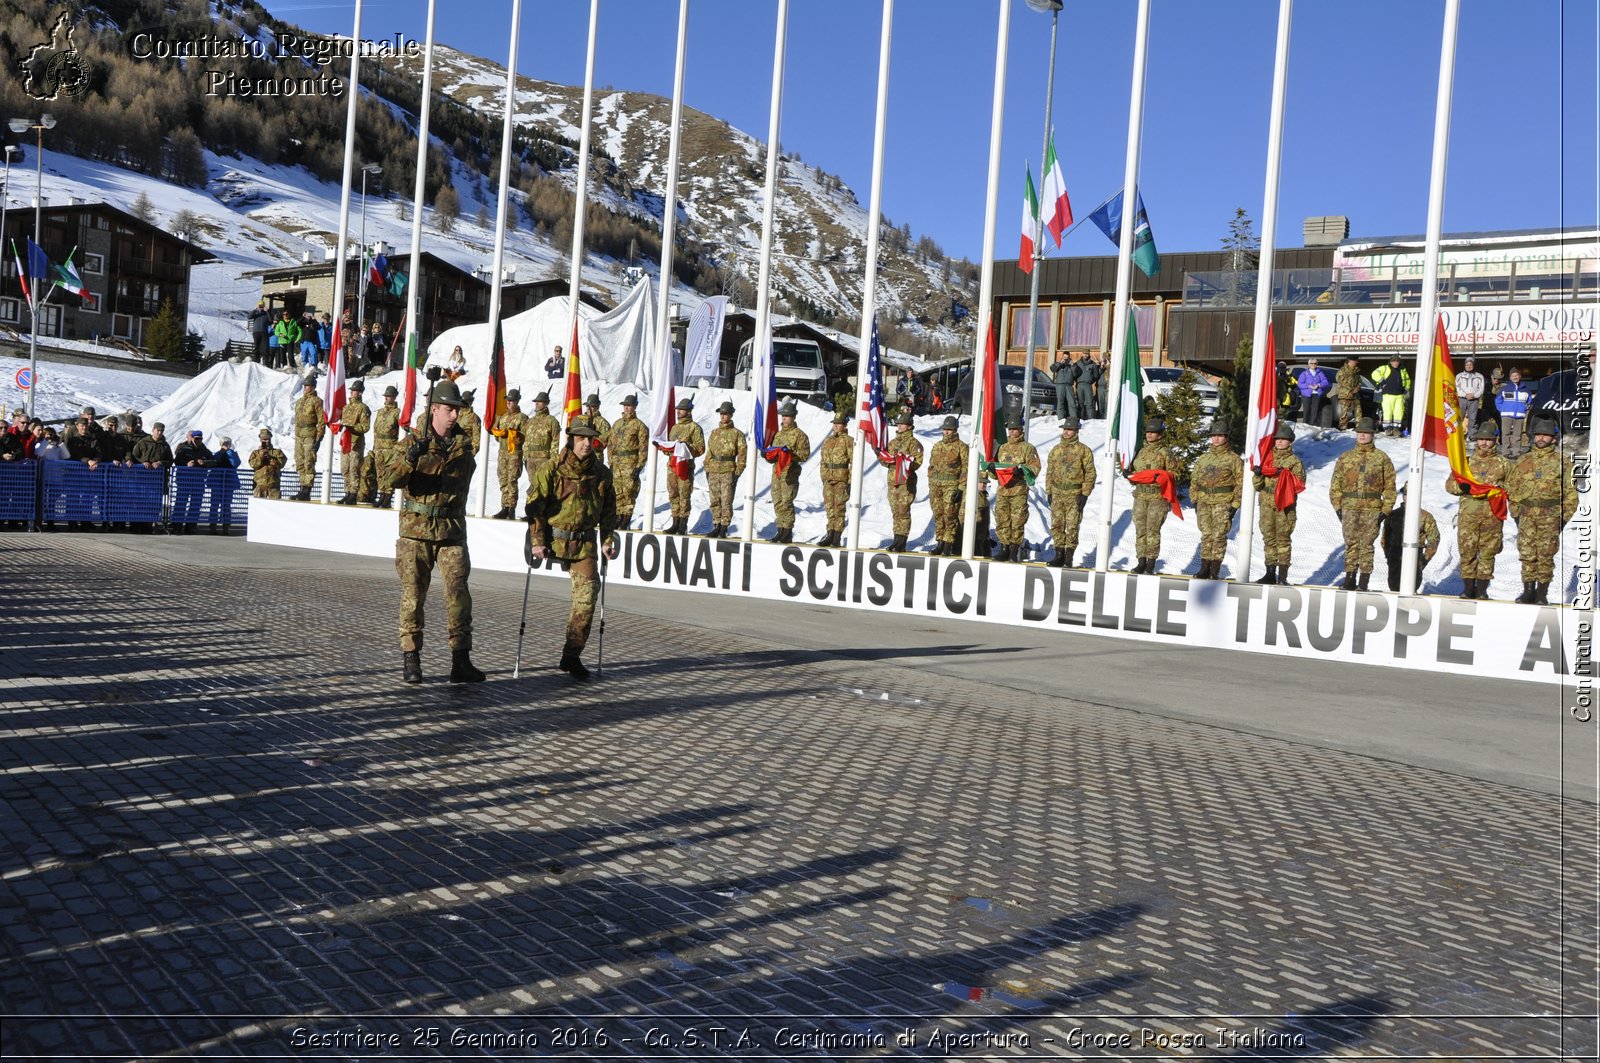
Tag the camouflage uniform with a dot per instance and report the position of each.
(1277, 525)
(356, 419)
(1479, 533)
(1543, 498)
(725, 463)
(680, 492)
(433, 532)
(1347, 387)
(385, 439)
(902, 493)
(1215, 486)
(1150, 510)
(1069, 481)
(267, 462)
(470, 423)
(1011, 500)
(509, 428)
(836, 456)
(569, 500)
(541, 442)
(787, 485)
(629, 450)
(1394, 541)
(310, 425)
(947, 479)
(1362, 491)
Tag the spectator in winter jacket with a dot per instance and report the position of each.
(260, 326)
(324, 338)
(1064, 371)
(1469, 393)
(191, 455)
(1512, 400)
(48, 446)
(309, 340)
(11, 447)
(153, 451)
(555, 365)
(1089, 374)
(1394, 383)
(223, 481)
(377, 349)
(1313, 385)
(83, 444)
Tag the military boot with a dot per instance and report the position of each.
(1271, 577)
(1283, 575)
(1469, 590)
(1361, 581)
(1063, 559)
(1483, 590)
(1526, 597)
(346, 499)
(411, 662)
(504, 514)
(1541, 593)
(462, 670)
(386, 500)
(936, 550)
(572, 663)
(899, 545)
(1349, 583)
(303, 495)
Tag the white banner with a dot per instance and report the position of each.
(1480, 329)
(703, 347)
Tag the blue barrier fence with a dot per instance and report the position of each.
(66, 492)
(19, 486)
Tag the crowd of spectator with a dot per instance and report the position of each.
(305, 341)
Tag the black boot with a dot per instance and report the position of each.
(786, 535)
(1361, 581)
(1204, 571)
(899, 546)
(936, 550)
(1470, 590)
(1139, 569)
(411, 662)
(1541, 592)
(372, 500)
(386, 500)
(826, 540)
(303, 495)
(504, 514)
(572, 664)
(1349, 583)
(462, 670)
(1526, 597)
(1271, 577)
(1483, 590)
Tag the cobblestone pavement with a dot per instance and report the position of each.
(230, 831)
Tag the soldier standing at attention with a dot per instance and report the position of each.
(680, 488)
(1019, 462)
(1479, 533)
(1362, 491)
(355, 420)
(1347, 389)
(725, 462)
(947, 474)
(471, 424)
(787, 451)
(1394, 541)
(591, 414)
(1543, 498)
(435, 471)
(1069, 481)
(838, 453)
(570, 500)
(1215, 486)
(267, 462)
(1278, 486)
(629, 446)
(1150, 506)
(385, 440)
(901, 461)
(310, 425)
(509, 428)
(541, 439)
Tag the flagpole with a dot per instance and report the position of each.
(419, 190)
(869, 289)
(580, 207)
(760, 369)
(669, 220)
(1038, 234)
(354, 88)
(1430, 297)
(497, 281)
(1119, 317)
(1263, 319)
(969, 529)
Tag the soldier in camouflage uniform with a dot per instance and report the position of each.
(379, 479)
(1277, 525)
(1543, 498)
(1069, 481)
(1216, 485)
(680, 489)
(570, 501)
(591, 417)
(1362, 491)
(1479, 533)
(902, 478)
(509, 428)
(836, 457)
(725, 463)
(947, 479)
(1347, 388)
(1150, 508)
(1394, 541)
(786, 483)
(355, 421)
(471, 424)
(628, 450)
(541, 439)
(1011, 501)
(267, 462)
(435, 471)
(310, 425)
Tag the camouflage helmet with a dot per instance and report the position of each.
(445, 393)
(1367, 425)
(905, 418)
(788, 409)
(1485, 430)
(950, 424)
(726, 407)
(1070, 423)
(582, 430)
(1283, 431)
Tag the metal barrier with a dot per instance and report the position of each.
(133, 494)
(208, 496)
(70, 491)
(19, 488)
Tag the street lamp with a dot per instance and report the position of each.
(372, 169)
(1053, 8)
(5, 189)
(22, 125)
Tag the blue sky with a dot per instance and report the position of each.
(1358, 126)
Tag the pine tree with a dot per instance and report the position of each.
(1185, 425)
(1234, 399)
(1243, 247)
(143, 209)
(164, 337)
(446, 208)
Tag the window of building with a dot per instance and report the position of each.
(122, 326)
(1019, 327)
(10, 309)
(1081, 326)
(94, 263)
(91, 302)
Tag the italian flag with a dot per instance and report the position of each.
(1030, 226)
(1057, 213)
(1128, 429)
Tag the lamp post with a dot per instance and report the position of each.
(22, 125)
(5, 191)
(372, 169)
(1054, 8)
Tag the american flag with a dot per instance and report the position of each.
(873, 429)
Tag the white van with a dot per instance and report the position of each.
(796, 369)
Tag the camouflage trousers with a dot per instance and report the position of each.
(1480, 535)
(1150, 512)
(1214, 522)
(719, 485)
(945, 498)
(783, 491)
(900, 496)
(835, 496)
(415, 560)
(382, 471)
(680, 493)
(305, 463)
(1349, 406)
(1360, 532)
(1538, 538)
(350, 463)
(1010, 516)
(585, 577)
(265, 488)
(1277, 528)
(533, 466)
(625, 482)
(1066, 514)
(509, 468)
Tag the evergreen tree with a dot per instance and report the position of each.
(1234, 399)
(164, 337)
(1243, 248)
(446, 208)
(1186, 425)
(143, 209)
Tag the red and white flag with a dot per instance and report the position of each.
(1055, 209)
(1266, 405)
(1030, 226)
(333, 391)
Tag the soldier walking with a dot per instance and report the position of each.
(1347, 389)
(1480, 532)
(680, 485)
(1216, 485)
(1068, 482)
(310, 425)
(1362, 491)
(509, 428)
(901, 461)
(837, 456)
(266, 463)
(1016, 466)
(541, 439)
(435, 471)
(725, 463)
(570, 500)
(355, 420)
(947, 476)
(385, 441)
(787, 452)
(1543, 498)
(1278, 485)
(629, 446)
(1150, 505)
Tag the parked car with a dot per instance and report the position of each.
(1010, 382)
(1161, 379)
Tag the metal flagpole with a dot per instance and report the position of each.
(1263, 320)
(869, 285)
(1430, 297)
(419, 190)
(1038, 236)
(1119, 318)
(669, 222)
(354, 88)
(581, 206)
(497, 281)
(986, 284)
(761, 349)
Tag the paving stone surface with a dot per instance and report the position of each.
(230, 831)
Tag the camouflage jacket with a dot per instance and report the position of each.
(542, 438)
(309, 420)
(1363, 478)
(570, 499)
(905, 442)
(434, 508)
(836, 455)
(725, 452)
(386, 426)
(630, 443)
(268, 463)
(799, 444)
(513, 428)
(1347, 382)
(947, 462)
(1021, 453)
(1489, 469)
(1217, 478)
(1283, 461)
(1070, 469)
(471, 424)
(356, 417)
(688, 432)
(1155, 456)
(1540, 478)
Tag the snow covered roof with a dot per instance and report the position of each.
(122, 217)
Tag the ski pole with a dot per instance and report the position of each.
(600, 650)
(522, 625)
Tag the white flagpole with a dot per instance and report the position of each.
(1119, 318)
(354, 88)
(582, 205)
(419, 190)
(761, 349)
(498, 279)
(669, 221)
(1263, 320)
(869, 289)
(1430, 296)
(969, 528)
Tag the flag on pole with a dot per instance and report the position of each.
(410, 404)
(1108, 219)
(765, 424)
(984, 436)
(1266, 406)
(494, 398)
(1056, 209)
(333, 391)
(1030, 226)
(1444, 429)
(37, 268)
(1128, 431)
(874, 430)
(573, 404)
(397, 283)
(378, 271)
(66, 276)
(663, 399)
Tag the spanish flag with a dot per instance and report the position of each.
(573, 405)
(1444, 429)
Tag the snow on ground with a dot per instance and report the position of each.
(63, 390)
